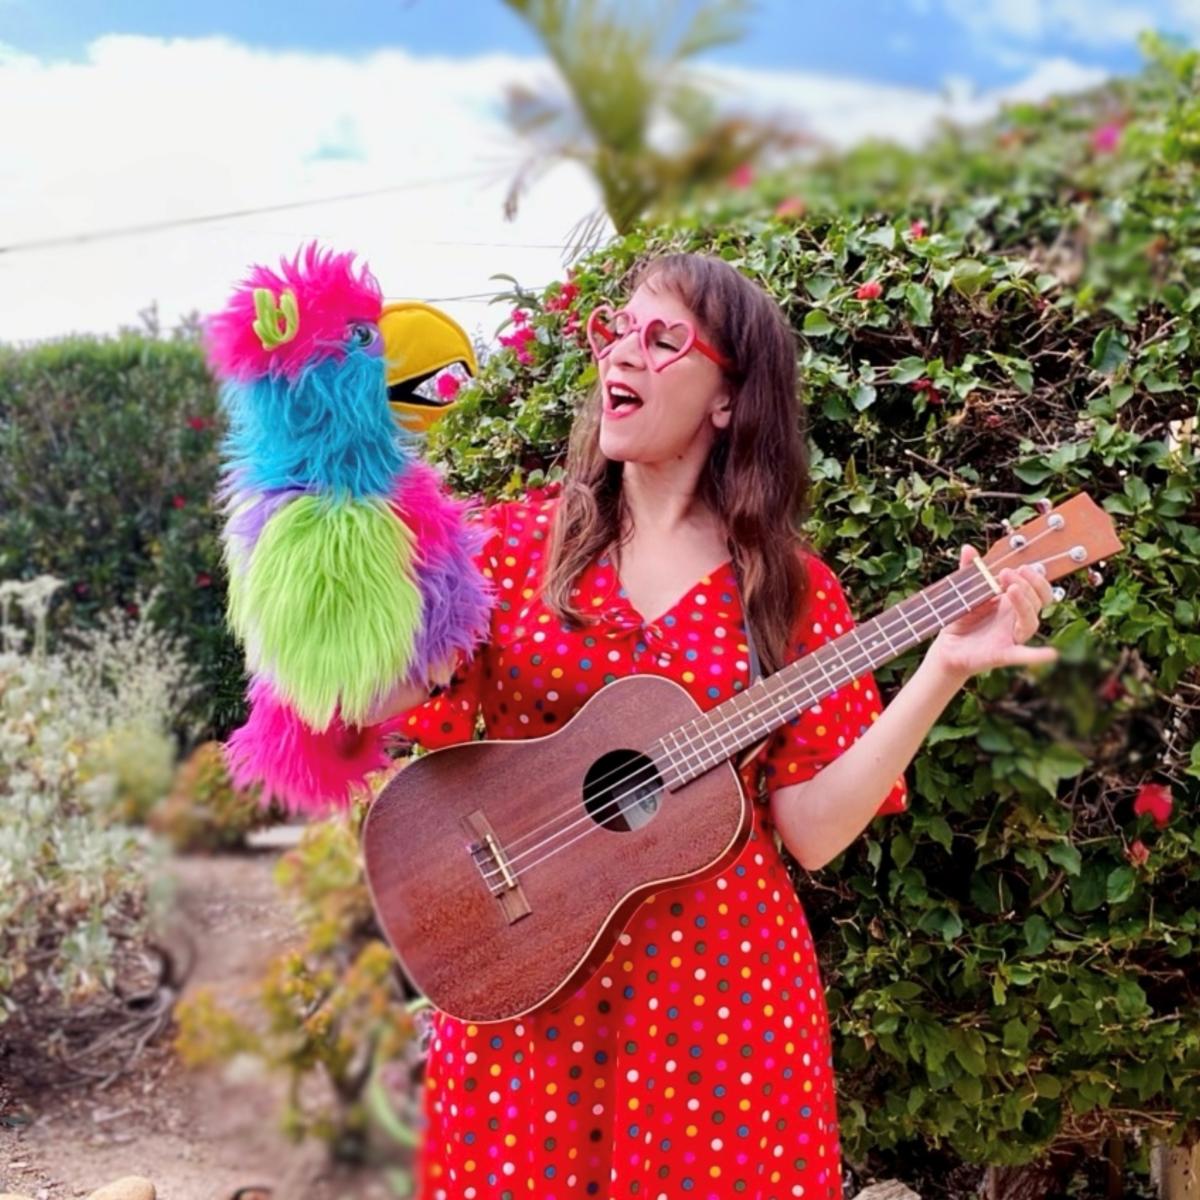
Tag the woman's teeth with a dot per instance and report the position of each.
(622, 399)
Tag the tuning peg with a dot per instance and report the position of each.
(1058, 593)
(1006, 525)
(1043, 505)
(1095, 578)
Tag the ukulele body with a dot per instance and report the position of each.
(502, 872)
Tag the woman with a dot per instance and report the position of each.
(696, 1061)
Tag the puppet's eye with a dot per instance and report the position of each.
(361, 334)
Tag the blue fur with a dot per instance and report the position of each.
(330, 430)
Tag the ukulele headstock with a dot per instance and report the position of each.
(1060, 539)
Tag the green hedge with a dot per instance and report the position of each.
(1013, 964)
(107, 469)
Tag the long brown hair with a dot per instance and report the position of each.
(756, 477)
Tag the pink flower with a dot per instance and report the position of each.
(519, 342)
(197, 423)
(871, 290)
(1155, 799)
(1137, 853)
(741, 177)
(918, 229)
(791, 206)
(519, 317)
(179, 501)
(1106, 137)
(447, 385)
(203, 579)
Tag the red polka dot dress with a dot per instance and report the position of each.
(696, 1062)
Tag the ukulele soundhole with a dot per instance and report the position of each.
(622, 791)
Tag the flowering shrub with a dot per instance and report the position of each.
(1011, 314)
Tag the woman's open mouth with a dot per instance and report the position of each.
(620, 400)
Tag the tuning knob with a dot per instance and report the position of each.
(1095, 578)
(1058, 593)
(1043, 505)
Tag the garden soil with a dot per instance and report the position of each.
(197, 1134)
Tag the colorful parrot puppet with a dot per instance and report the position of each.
(350, 569)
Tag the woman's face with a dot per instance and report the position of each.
(653, 417)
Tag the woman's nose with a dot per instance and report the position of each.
(627, 349)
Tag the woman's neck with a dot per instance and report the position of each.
(661, 499)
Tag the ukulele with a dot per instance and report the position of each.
(502, 872)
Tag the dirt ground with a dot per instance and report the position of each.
(198, 1135)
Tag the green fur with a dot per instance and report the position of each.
(328, 606)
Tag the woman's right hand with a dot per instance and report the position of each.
(406, 694)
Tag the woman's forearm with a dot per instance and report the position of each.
(819, 818)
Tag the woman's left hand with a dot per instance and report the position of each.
(994, 634)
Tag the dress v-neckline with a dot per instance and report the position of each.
(620, 591)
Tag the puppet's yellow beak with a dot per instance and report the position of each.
(418, 342)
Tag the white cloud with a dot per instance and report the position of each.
(1186, 17)
(1092, 23)
(843, 111)
(146, 130)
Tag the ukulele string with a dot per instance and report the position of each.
(693, 757)
(650, 771)
(770, 685)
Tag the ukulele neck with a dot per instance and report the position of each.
(687, 752)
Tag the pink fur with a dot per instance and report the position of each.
(329, 293)
(435, 517)
(306, 771)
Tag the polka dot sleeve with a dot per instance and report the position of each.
(817, 736)
(449, 717)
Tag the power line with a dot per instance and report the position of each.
(181, 222)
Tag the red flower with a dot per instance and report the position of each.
(792, 206)
(178, 501)
(871, 290)
(447, 385)
(1106, 137)
(918, 228)
(132, 609)
(1155, 799)
(1137, 853)
(932, 395)
(741, 177)
(203, 579)
(1111, 690)
(197, 423)
(545, 492)
(565, 297)
(82, 589)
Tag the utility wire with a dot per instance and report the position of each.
(181, 222)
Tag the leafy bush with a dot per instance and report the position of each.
(203, 810)
(108, 463)
(1014, 313)
(75, 898)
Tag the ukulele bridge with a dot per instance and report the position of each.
(488, 854)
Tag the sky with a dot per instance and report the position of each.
(376, 125)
